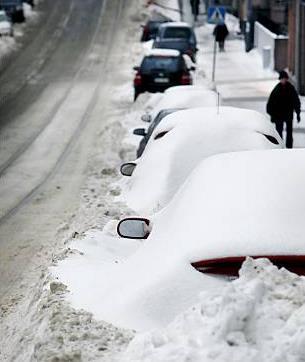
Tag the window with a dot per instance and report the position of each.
(170, 64)
(173, 33)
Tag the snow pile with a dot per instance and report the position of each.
(193, 135)
(234, 204)
(169, 95)
(259, 317)
(183, 98)
(7, 45)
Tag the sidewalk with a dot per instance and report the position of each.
(239, 76)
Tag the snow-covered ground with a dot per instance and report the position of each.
(227, 323)
(243, 321)
(257, 318)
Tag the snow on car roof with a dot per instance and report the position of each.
(176, 24)
(243, 203)
(187, 88)
(163, 52)
(194, 134)
(193, 98)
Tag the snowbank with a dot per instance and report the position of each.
(233, 204)
(257, 318)
(193, 135)
(185, 97)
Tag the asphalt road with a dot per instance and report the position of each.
(52, 94)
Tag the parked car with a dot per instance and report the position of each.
(174, 102)
(14, 9)
(160, 69)
(6, 27)
(185, 138)
(151, 27)
(30, 2)
(179, 36)
(233, 205)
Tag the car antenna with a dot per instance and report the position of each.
(218, 102)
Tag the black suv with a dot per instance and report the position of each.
(159, 70)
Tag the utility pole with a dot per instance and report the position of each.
(214, 60)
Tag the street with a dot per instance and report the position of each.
(56, 99)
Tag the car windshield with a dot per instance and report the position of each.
(158, 119)
(173, 33)
(163, 62)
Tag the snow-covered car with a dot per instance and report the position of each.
(155, 102)
(233, 205)
(185, 138)
(160, 69)
(174, 102)
(6, 27)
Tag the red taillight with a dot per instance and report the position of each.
(186, 79)
(137, 79)
(145, 30)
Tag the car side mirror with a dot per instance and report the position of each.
(139, 132)
(146, 117)
(136, 68)
(196, 49)
(134, 228)
(192, 68)
(127, 168)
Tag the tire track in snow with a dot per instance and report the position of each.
(24, 195)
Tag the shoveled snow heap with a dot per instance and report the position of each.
(234, 204)
(259, 317)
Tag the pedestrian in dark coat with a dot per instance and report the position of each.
(221, 32)
(195, 8)
(282, 102)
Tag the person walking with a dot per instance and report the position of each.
(220, 33)
(195, 8)
(282, 102)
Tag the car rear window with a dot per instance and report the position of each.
(170, 64)
(173, 33)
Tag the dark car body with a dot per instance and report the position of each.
(159, 70)
(151, 128)
(150, 29)
(179, 36)
(14, 9)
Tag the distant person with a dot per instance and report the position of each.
(282, 102)
(220, 33)
(195, 8)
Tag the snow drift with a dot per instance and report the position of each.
(232, 204)
(257, 318)
(193, 135)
